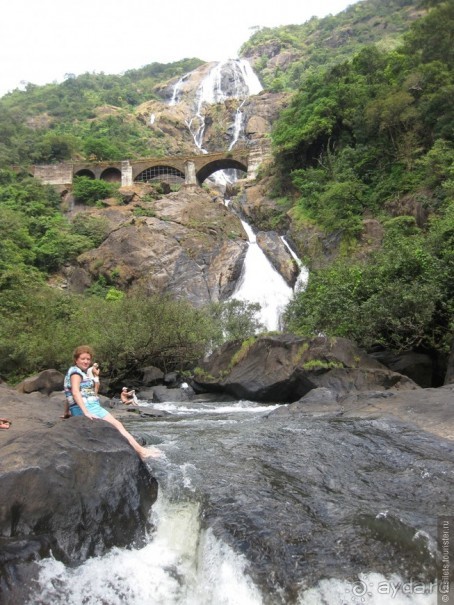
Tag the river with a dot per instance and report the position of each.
(269, 510)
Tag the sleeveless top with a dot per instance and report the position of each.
(87, 387)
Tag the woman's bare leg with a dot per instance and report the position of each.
(141, 451)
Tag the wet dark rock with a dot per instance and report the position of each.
(279, 256)
(430, 409)
(161, 394)
(172, 380)
(147, 412)
(74, 487)
(449, 378)
(285, 367)
(317, 401)
(417, 366)
(328, 493)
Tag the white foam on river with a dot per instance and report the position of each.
(240, 407)
(181, 564)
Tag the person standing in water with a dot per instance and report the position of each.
(82, 399)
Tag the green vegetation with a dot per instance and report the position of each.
(34, 235)
(243, 351)
(88, 116)
(237, 320)
(321, 364)
(374, 137)
(367, 134)
(90, 191)
(41, 325)
(319, 43)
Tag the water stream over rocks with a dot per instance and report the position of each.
(263, 509)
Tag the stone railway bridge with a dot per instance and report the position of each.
(187, 169)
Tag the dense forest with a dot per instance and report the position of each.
(368, 134)
(373, 137)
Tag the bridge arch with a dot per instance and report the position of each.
(85, 172)
(112, 175)
(222, 164)
(168, 174)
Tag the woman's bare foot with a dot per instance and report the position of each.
(4, 424)
(151, 452)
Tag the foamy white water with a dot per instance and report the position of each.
(261, 283)
(181, 565)
(303, 275)
(183, 562)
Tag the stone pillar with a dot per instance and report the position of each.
(259, 152)
(126, 173)
(189, 173)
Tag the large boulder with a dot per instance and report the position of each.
(71, 487)
(417, 366)
(45, 382)
(284, 368)
(152, 375)
(449, 377)
(430, 409)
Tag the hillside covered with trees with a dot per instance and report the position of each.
(367, 136)
(373, 137)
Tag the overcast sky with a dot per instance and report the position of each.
(42, 40)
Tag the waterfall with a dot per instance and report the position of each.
(259, 281)
(181, 564)
(176, 90)
(237, 127)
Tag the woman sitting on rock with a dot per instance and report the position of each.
(83, 401)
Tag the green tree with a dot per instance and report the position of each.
(393, 298)
(89, 191)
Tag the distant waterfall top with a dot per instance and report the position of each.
(232, 79)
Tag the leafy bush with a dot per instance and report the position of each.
(400, 297)
(94, 228)
(89, 191)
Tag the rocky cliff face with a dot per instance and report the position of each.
(192, 247)
(177, 117)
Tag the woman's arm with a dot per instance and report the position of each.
(75, 390)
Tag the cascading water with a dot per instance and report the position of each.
(268, 510)
(259, 282)
(303, 275)
(217, 88)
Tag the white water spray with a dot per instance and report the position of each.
(261, 283)
(181, 565)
